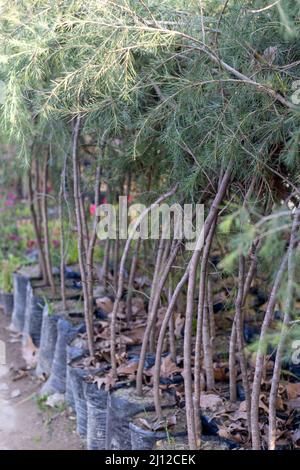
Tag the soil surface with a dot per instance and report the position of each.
(25, 422)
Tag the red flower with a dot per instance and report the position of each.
(15, 238)
(30, 244)
(55, 243)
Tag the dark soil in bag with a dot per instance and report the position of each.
(37, 297)
(143, 438)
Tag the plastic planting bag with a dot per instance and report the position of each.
(8, 303)
(142, 439)
(33, 316)
(77, 376)
(96, 416)
(66, 332)
(47, 342)
(20, 292)
(20, 281)
(122, 405)
(72, 354)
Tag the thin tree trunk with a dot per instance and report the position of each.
(44, 208)
(232, 364)
(172, 341)
(284, 331)
(152, 316)
(121, 276)
(156, 271)
(207, 349)
(81, 244)
(159, 347)
(93, 237)
(260, 357)
(161, 262)
(116, 258)
(62, 235)
(42, 261)
(85, 230)
(210, 301)
(252, 269)
(187, 348)
(131, 282)
(105, 266)
(38, 191)
(160, 342)
(240, 338)
(203, 328)
(246, 287)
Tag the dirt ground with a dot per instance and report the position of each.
(24, 423)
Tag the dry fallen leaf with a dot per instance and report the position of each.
(127, 369)
(105, 303)
(237, 415)
(136, 334)
(123, 339)
(108, 381)
(221, 372)
(138, 305)
(179, 324)
(168, 367)
(293, 404)
(262, 404)
(170, 421)
(223, 432)
(160, 425)
(210, 401)
(293, 390)
(19, 374)
(145, 423)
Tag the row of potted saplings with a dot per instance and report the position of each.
(104, 420)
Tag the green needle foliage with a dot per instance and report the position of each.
(142, 70)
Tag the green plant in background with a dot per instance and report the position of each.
(99, 253)
(72, 251)
(49, 306)
(7, 268)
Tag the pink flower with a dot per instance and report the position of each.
(11, 196)
(129, 199)
(92, 209)
(9, 202)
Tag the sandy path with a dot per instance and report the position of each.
(22, 423)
